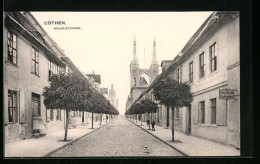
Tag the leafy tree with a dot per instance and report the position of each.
(172, 94)
(97, 104)
(149, 106)
(69, 92)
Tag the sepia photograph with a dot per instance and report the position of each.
(121, 84)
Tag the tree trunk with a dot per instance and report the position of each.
(136, 118)
(141, 120)
(149, 120)
(100, 118)
(83, 117)
(92, 120)
(106, 118)
(66, 127)
(172, 106)
(167, 117)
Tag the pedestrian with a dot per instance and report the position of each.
(153, 123)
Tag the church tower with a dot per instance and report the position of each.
(134, 69)
(154, 68)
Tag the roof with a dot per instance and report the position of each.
(96, 77)
(104, 90)
(19, 19)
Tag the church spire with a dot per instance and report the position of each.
(154, 60)
(135, 60)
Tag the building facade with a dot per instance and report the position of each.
(139, 84)
(209, 62)
(30, 58)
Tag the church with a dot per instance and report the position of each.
(138, 84)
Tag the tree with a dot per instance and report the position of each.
(149, 106)
(96, 104)
(69, 92)
(172, 94)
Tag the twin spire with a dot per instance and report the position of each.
(154, 60)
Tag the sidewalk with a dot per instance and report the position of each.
(41, 146)
(191, 145)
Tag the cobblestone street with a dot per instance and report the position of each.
(120, 138)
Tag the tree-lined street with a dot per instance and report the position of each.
(120, 138)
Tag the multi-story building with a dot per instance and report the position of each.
(95, 80)
(30, 58)
(209, 62)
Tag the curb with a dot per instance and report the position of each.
(178, 150)
(57, 149)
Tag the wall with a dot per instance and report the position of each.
(227, 75)
(20, 78)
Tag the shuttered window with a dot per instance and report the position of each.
(12, 107)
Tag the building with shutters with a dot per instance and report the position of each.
(30, 58)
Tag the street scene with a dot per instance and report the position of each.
(121, 84)
(122, 138)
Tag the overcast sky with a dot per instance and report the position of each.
(104, 43)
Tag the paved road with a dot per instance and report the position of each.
(120, 138)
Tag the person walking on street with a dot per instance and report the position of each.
(153, 123)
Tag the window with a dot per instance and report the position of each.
(179, 75)
(12, 48)
(213, 110)
(12, 106)
(35, 61)
(58, 116)
(202, 65)
(213, 57)
(50, 69)
(191, 72)
(202, 112)
(134, 81)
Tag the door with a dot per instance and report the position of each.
(189, 120)
(36, 105)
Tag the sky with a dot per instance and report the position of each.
(104, 42)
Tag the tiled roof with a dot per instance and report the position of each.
(20, 18)
(97, 78)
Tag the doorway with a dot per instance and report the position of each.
(36, 111)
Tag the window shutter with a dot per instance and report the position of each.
(21, 98)
(221, 114)
(195, 113)
(181, 75)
